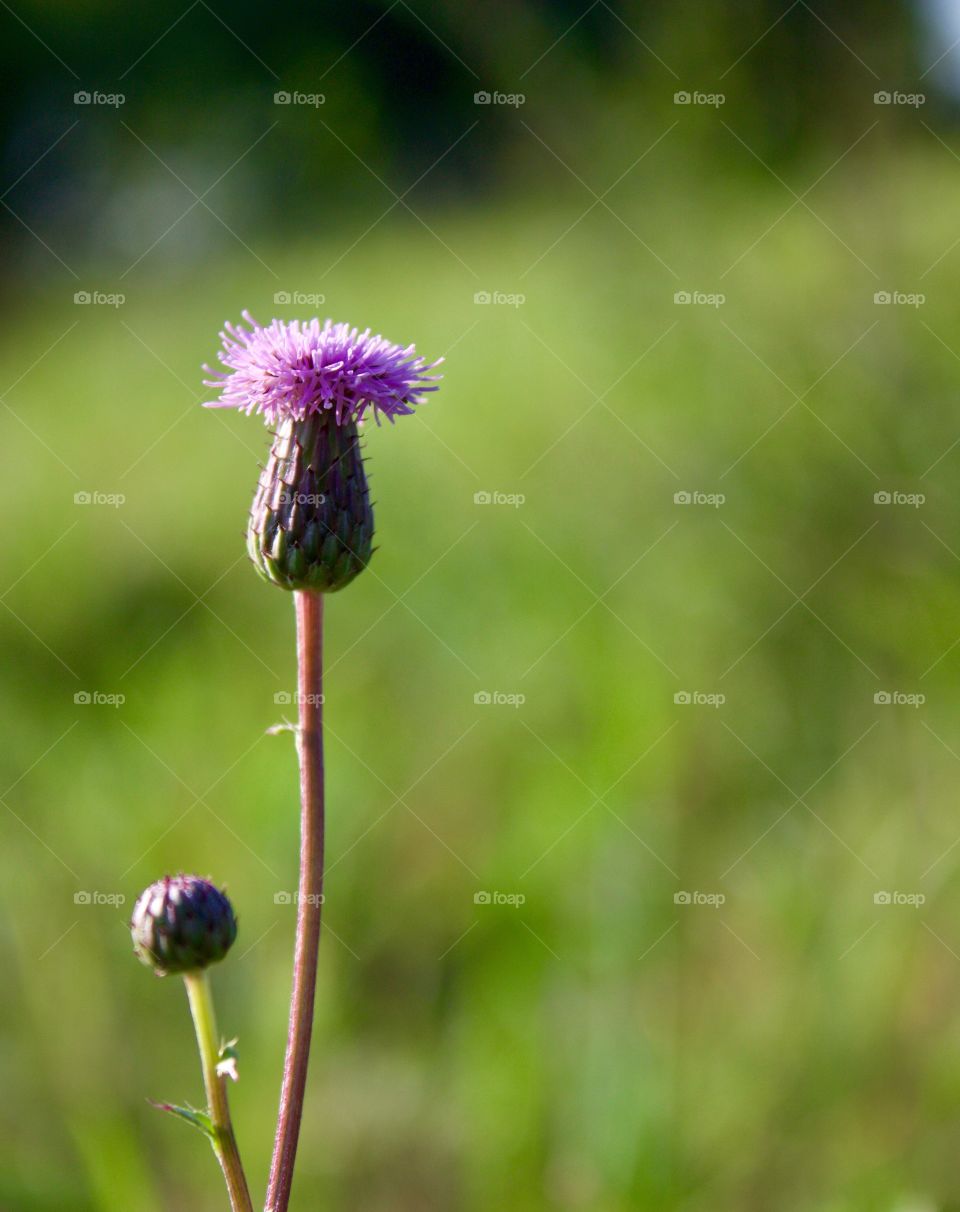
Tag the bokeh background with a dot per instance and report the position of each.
(643, 727)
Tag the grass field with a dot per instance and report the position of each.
(599, 1047)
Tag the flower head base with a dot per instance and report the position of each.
(311, 525)
(292, 370)
(182, 923)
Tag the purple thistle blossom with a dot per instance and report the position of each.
(294, 369)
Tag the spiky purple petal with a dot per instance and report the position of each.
(294, 369)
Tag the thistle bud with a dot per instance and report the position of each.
(182, 923)
(311, 525)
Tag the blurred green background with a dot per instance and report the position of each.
(711, 592)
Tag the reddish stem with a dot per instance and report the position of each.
(309, 608)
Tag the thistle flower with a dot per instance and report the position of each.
(311, 525)
(182, 923)
(293, 370)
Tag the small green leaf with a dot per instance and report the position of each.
(227, 1064)
(286, 726)
(199, 1119)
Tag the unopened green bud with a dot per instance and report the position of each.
(311, 525)
(182, 923)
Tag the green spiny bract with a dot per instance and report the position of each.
(311, 525)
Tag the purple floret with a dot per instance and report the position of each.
(291, 370)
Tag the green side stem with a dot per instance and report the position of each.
(215, 1084)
